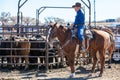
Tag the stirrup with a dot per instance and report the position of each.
(83, 50)
(74, 36)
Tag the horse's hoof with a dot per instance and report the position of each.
(72, 75)
(100, 75)
(76, 63)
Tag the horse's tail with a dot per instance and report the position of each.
(112, 37)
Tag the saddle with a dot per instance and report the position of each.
(88, 33)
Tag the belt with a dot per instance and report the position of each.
(78, 25)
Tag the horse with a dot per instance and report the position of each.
(100, 42)
(103, 41)
(68, 44)
(111, 46)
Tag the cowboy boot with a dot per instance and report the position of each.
(83, 47)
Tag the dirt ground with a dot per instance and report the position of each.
(82, 73)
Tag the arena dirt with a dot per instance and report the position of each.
(82, 73)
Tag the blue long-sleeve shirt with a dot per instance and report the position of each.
(79, 18)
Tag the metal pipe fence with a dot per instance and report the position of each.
(8, 31)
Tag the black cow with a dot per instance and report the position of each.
(6, 50)
(38, 49)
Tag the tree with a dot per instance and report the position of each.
(59, 20)
(54, 19)
(5, 17)
(28, 20)
(13, 19)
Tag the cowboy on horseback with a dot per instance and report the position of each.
(79, 24)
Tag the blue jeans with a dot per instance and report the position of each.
(80, 32)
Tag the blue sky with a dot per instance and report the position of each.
(105, 9)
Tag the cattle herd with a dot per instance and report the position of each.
(24, 52)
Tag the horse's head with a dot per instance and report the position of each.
(56, 30)
(52, 32)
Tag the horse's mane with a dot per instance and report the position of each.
(67, 31)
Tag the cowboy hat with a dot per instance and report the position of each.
(77, 4)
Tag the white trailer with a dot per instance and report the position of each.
(116, 54)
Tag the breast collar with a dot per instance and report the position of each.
(65, 44)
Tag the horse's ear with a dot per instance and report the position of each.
(61, 26)
(57, 25)
(51, 24)
(65, 28)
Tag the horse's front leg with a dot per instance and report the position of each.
(71, 60)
